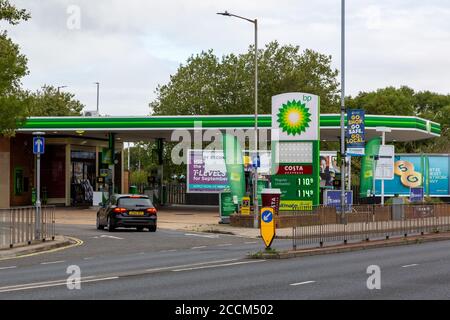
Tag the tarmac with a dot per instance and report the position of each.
(203, 219)
(183, 218)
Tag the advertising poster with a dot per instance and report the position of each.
(412, 171)
(206, 172)
(329, 168)
(355, 133)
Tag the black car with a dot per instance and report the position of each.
(127, 211)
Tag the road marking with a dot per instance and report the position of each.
(225, 245)
(252, 242)
(218, 265)
(195, 248)
(77, 243)
(7, 268)
(88, 258)
(301, 283)
(410, 265)
(189, 265)
(172, 250)
(210, 236)
(53, 262)
(111, 237)
(48, 284)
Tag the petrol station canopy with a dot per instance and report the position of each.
(134, 129)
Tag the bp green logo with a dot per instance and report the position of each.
(294, 117)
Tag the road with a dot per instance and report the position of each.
(188, 265)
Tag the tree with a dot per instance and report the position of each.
(51, 102)
(208, 85)
(405, 101)
(13, 67)
(386, 101)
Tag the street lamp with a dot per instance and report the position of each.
(343, 109)
(61, 87)
(255, 167)
(98, 95)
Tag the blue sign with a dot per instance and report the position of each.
(333, 199)
(267, 216)
(355, 134)
(256, 162)
(38, 145)
(416, 194)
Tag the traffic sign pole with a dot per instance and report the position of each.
(38, 149)
(38, 198)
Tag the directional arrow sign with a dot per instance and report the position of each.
(267, 226)
(38, 145)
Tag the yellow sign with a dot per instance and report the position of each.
(267, 225)
(408, 177)
(296, 205)
(245, 208)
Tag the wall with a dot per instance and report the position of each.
(22, 157)
(4, 172)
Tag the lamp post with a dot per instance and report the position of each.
(255, 167)
(98, 95)
(61, 87)
(343, 109)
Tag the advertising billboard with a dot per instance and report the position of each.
(355, 133)
(207, 172)
(412, 171)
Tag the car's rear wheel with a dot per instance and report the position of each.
(110, 225)
(152, 228)
(98, 225)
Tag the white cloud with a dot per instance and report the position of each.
(132, 46)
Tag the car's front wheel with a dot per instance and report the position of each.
(152, 228)
(110, 225)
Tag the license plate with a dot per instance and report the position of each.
(136, 213)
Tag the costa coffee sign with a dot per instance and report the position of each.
(295, 169)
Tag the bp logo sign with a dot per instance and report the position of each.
(294, 118)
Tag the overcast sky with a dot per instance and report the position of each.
(131, 46)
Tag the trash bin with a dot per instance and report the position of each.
(133, 190)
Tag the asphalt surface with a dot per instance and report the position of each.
(190, 266)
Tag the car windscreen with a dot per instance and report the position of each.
(134, 202)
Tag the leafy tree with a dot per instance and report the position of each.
(13, 67)
(209, 85)
(51, 102)
(405, 101)
(386, 101)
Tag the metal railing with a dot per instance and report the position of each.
(18, 226)
(366, 222)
